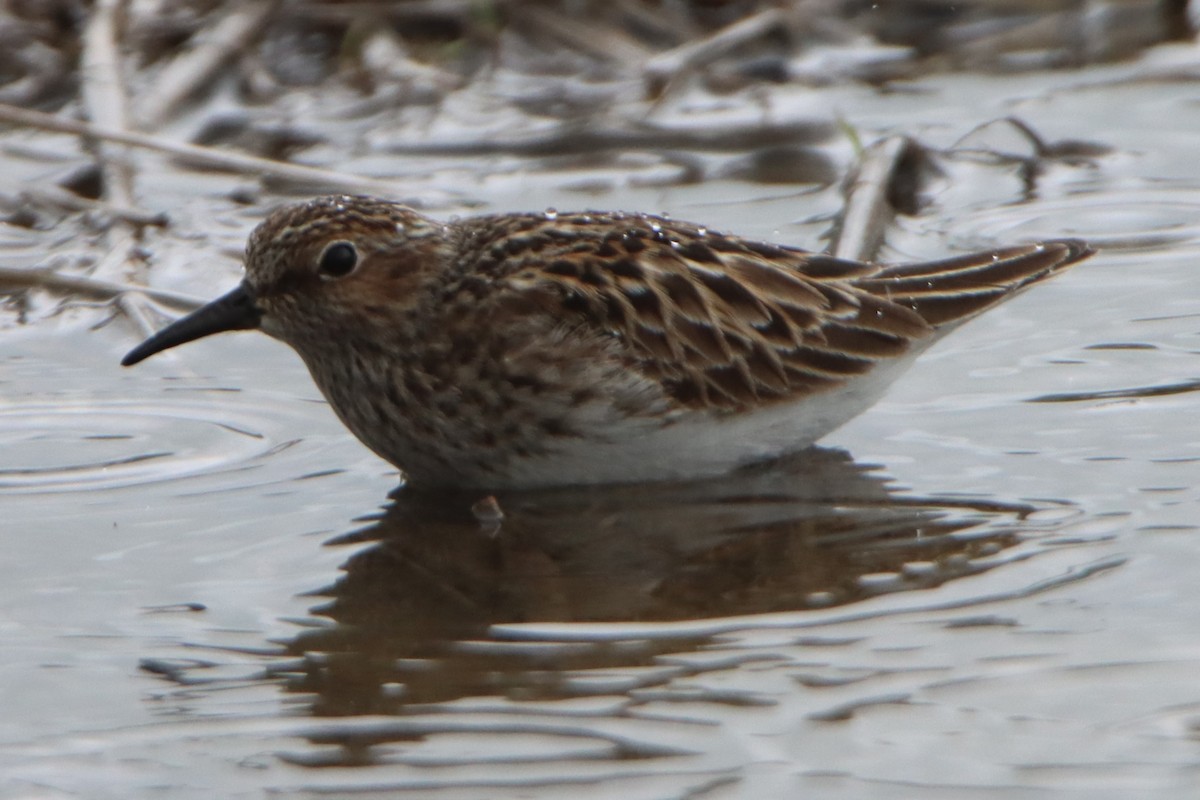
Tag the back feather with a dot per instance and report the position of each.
(726, 323)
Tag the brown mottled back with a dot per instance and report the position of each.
(727, 323)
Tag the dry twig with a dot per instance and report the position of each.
(571, 139)
(51, 195)
(584, 35)
(191, 70)
(207, 156)
(82, 286)
(666, 67)
(106, 101)
(867, 211)
(104, 96)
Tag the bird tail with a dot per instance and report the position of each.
(955, 289)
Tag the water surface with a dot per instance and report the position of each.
(982, 587)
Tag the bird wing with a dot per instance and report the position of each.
(726, 323)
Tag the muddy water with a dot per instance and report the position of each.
(983, 587)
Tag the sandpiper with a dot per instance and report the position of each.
(541, 349)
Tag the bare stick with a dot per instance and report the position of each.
(106, 101)
(210, 157)
(570, 139)
(190, 71)
(583, 35)
(51, 195)
(867, 211)
(134, 312)
(461, 11)
(661, 69)
(104, 95)
(47, 278)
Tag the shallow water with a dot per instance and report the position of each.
(982, 587)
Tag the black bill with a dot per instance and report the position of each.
(235, 311)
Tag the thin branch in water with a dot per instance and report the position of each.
(572, 139)
(206, 156)
(584, 35)
(868, 212)
(46, 278)
(105, 98)
(50, 195)
(667, 67)
(134, 311)
(193, 69)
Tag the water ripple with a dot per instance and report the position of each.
(71, 446)
(1160, 390)
(1142, 218)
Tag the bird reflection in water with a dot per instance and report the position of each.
(422, 615)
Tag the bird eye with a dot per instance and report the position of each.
(338, 260)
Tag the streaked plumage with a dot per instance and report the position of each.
(523, 350)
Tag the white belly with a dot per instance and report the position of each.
(703, 444)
